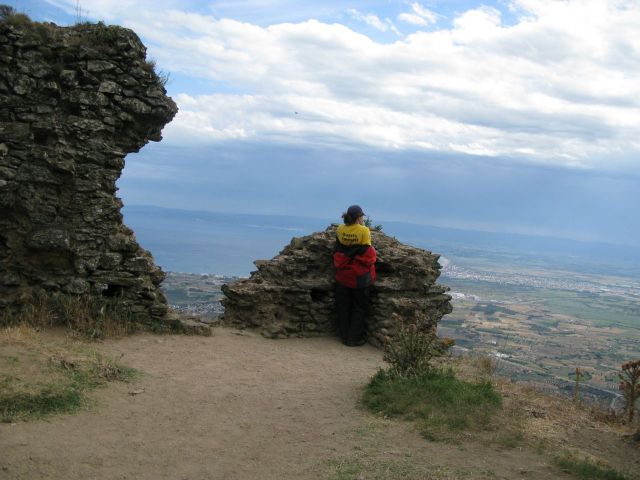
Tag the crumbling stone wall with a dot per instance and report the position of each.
(73, 103)
(293, 293)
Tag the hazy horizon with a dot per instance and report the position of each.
(198, 241)
(336, 219)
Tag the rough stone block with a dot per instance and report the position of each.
(293, 293)
(49, 239)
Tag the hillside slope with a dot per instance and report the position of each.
(238, 406)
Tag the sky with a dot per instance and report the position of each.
(519, 116)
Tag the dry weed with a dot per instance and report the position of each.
(86, 316)
(18, 334)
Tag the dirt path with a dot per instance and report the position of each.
(242, 407)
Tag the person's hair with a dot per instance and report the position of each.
(348, 219)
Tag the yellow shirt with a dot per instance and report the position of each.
(355, 234)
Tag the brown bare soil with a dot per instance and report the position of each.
(238, 406)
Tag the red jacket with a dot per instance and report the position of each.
(355, 265)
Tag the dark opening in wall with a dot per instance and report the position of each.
(113, 291)
(383, 268)
(318, 295)
(44, 137)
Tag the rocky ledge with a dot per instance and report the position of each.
(293, 293)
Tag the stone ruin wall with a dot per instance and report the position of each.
(293, 293)
(73, 103)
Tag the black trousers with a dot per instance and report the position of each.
(352, 306)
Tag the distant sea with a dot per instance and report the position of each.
(227, 244)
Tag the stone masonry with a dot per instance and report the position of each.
(293, 293)
(74, 102)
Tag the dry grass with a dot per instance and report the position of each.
(21, 21)
(87, 316)
(379, 453)
(556, 426)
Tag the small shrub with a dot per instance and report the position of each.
(413, 388)
(102, 34)
(163, 77)
(411, 350)
(369, 223)
(487, 366)
(11, 16)
(605, 415)
(151, 66)
(630, 386)
(6, 11)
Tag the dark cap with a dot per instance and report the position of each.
(355, 212)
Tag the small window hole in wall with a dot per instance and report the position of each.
(112, 291)
(318, 295)
(44, 137)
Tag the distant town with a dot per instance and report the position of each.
(563, 280)
(196, 294)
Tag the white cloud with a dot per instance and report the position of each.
(374, 21)
(419, 16)
(560, 86)
(479, 24)
(425, 13)
(413, 19)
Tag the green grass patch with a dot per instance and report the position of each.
(45, 374)
(510, 438)
(345, 468)
(65, 392)
(48, 399)
(438, 401)
(584, 469)
(359, 466)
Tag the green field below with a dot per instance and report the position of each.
(597, 309)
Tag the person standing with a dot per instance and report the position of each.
(354, 258)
